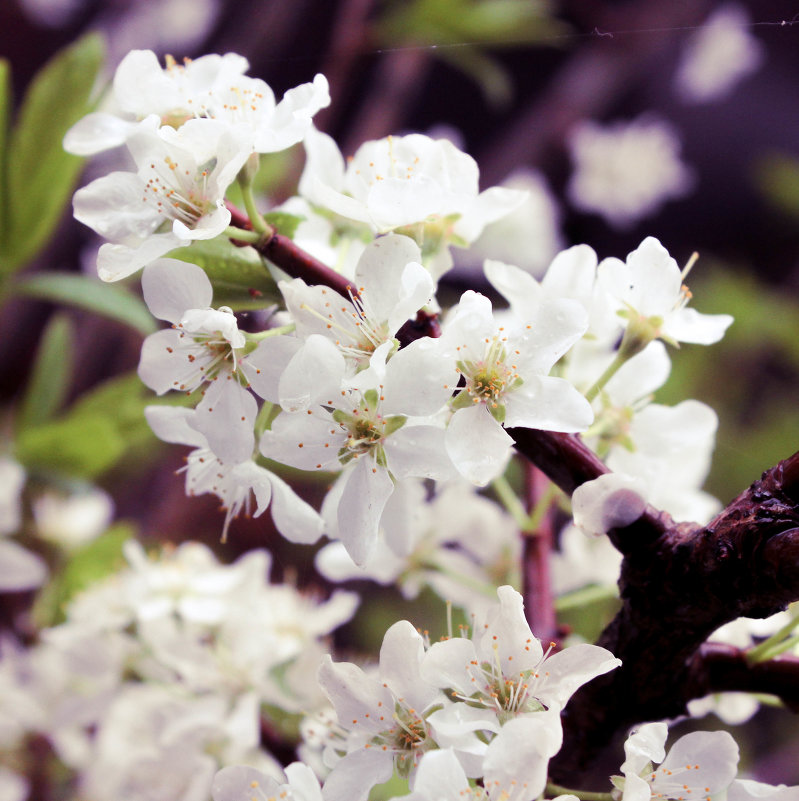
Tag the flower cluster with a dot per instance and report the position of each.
(362, 369)
(163, 672)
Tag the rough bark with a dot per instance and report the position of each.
(679, 582)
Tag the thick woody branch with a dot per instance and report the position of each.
(676, 589)
(717, 667)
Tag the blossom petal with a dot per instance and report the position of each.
(478, 446)
(368, 487)
(171, 286)
(225, 416)
(551, 404)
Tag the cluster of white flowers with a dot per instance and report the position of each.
(162, 673)
(167, 671)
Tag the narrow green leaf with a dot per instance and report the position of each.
(75, 446)
(41, 175)
(239, 276)
(52, 371)
(6, 104)
(110, 300)
(121, 399)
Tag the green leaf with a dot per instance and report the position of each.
(778, 178)
(283, 222)
(75, 445)
(122, 399)
(86, 566)
(6, 103)
(49, 382)
(41, 175)
(110, 300)
(239, 276)
(98, 430)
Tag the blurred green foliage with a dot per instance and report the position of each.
(35, 170)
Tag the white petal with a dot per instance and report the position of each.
(171, 286)
(569, 669)
(613, 500)
(225, 416)
(168, 362)
(264, 366)
(303, 781)
(115, 262)
(113, 207)
(239, 782)
(171, 424)
(446, 664)
(295, 519)
(96, 132)
(441, 776)
(355, 775)
(304, 440)
(20, 569)
(688, 325)
(400, 657)
(477, 444)
(355, 696)
(313, 375)
(419, 451)
(713, 757)
(516, 762)
(368, 487)
(645, 744)
(551, 404)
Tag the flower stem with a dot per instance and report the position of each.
(776, 644)
(611, 370)
(258, 223)
(584, 795)
(511, 502)
(243, 235)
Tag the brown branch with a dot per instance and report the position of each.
(676, 589)
(717, 667)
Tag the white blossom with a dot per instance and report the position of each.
(426, 187)
(719, 54)
(626, 171)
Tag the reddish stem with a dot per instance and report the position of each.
(536, 578)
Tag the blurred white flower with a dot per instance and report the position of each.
(73, 519)
(626, 171)
(718, 56)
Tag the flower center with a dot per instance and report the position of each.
(178, 192)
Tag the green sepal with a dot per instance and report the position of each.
(238, 274)
(380, 456)
(341, 417)
(371, 398)
(497, 412)
(463, 400)
(41, 174)
(113, 301)
(394, 423)
(51, 375)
